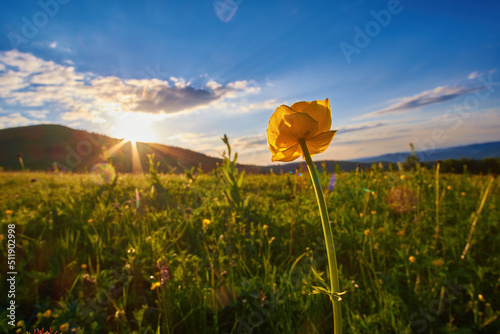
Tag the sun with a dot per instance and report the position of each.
(135, 127)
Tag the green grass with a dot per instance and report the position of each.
(90, 256)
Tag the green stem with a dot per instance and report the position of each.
(330, 249)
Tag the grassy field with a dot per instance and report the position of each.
(199, 253)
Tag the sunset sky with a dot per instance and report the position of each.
(184, 73)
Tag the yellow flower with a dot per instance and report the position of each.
(438, 263)
(155, 285)
(367, 232)
(449, 188)
(265, 227)
(401, 233)
(46, 314)
(481, 298)
(361, 215)
(402, 177)
(206, 222)
(412, 259)
(8, 212)
(310, 121)
(463, 193)
(64, 327)
(373, 212)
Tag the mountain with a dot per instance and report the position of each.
(474, 151)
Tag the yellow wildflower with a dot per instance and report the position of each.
(206, 222)
(361, 215)
(64, 327)
(367, 232)
(402, 177)
(401, 233)
(463, 193)
(438, 263)
(155, 285)
(8, 212)
(309, 121)
(449, 188)
(90, 221)
(265, 227)
(481, 298)
(46, 314)
(373, 212)
(412, 259)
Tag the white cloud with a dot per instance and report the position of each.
(15, 120)
(34, 82)
(40, 114)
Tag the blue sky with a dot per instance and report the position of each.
(184, 73)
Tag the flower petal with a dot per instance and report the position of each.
(274, 123)
(320, 111)
(319, 143)
(288, 155)
(298, 125)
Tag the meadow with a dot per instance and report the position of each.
(225, 252)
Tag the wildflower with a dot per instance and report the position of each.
(64, 327)
(131, 250)
(373, 212)
(367, 232)
(265, 227)
(449, 188)
(401, 199)
(438, 263)
(90, 221)
(206, 222)
(463, 193)
(361, 215)
(402, 177)
(84, 266)
(380, 230)
(332, 182)
(310, 121)
(8, 212)
(46, 314)
(155, 285)
(401, 233)
(412, 259)
(481, 298)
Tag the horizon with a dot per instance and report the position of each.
(184, 74)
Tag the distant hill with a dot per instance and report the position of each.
(474, 151)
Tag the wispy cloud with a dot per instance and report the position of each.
(434, 96)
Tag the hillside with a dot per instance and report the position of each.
(75, 150)
(474, 151)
